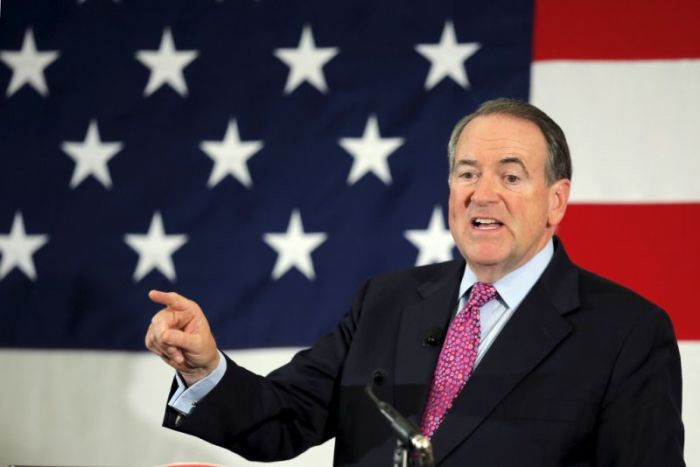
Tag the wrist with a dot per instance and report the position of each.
(191, 376)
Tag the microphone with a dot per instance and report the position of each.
(406, 430)
(434, 337)
(378, 377)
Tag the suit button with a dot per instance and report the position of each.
(178, 420)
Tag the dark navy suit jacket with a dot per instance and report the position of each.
(585, 373)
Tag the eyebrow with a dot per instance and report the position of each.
(469, 162)
(514, 160)
(506, 160)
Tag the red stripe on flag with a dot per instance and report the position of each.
(652, 249)
(616, 29)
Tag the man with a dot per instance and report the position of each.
(543, 364)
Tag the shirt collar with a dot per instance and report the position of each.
(513, 287)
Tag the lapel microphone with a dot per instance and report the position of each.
(434, 337)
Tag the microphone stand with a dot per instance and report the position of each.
(412, 448)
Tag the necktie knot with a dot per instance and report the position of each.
(481, 293)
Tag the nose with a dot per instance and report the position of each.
(485, 190)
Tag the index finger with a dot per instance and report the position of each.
(172, 300)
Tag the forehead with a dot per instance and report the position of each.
(500, 134)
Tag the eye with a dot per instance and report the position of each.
(467, 175)
(511, 179)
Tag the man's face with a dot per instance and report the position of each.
(501, 210)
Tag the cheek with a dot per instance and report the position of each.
(457, 198)
(456, 207)
(452, 204)
(534, 217)
(453, 219)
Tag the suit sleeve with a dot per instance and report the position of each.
(640, 415)
(279, 416)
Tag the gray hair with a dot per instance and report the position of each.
(558, 164)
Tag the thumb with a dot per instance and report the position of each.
(176, 319)
(180, 339)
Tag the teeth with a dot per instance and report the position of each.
(485, 221)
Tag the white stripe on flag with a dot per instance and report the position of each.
(105, 408)
(632, 126)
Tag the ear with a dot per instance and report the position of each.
(558, 200)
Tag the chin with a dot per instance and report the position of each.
(485, 256)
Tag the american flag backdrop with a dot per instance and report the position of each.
(263, 157)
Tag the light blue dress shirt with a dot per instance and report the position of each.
(185, 398)
(512, 289)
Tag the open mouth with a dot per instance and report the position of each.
(486, 223)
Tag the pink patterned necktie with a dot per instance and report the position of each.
(457, 358)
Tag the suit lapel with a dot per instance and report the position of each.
(415, 361)
(534, 330)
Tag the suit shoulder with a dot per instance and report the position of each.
(412, 282)
(599, 292)
(422, 274)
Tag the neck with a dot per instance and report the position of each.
(490, 273)
(486, 274)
